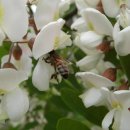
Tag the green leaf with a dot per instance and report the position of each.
(125, 62)
(54, 110)
(71, 12)
(72, 100)
(112, 57)
(69, 124)
(70, 97)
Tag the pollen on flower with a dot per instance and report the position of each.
(56, 16)
(2, 91)
(1, 13)
(116, 105)
(90, 25)
(56, 42)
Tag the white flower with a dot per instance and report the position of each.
(94, 62)
(93, 96)
(89, 62)
(86, 50)
(13, 19)
(42, 75)
(24, 64)
(10, 79)
(121, 40)
(124, 17)
(99, 29)
(112, 7)
(14, 102)
(98, 25)
(49, 11)
(83, 4)
(80, 25)
(118, 102)
(50, 38)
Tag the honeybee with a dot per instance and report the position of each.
(60, 65)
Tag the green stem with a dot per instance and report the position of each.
(125, 62)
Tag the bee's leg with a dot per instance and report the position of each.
(56, 74)
(55, 77)
(47, 60)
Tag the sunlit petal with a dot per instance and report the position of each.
(10, 79)
(97, 21)
(15, 19)
(42, 75)
(46, 12)
(45, 40)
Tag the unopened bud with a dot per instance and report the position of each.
(17, 52)
(124, 86)
(110, 74)
(31, 42)
(100, 7)
(104, 46)
(8, 65)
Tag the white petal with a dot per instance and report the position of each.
(123, 97)
(2, 36)
(81, 4)
(91, 97)
(122, 44)
(93, 3)
(102, 66)
(98, 21)
(89, 62)
(95, 80)
(128, 3)
(91, 39)
(16, 104)
(85, 49)
(3, 114)
(42, 75)
(46, 39)
(111, 7)
(15, 19)
(63, 7)
(80, 25)
(46, 12)
(124, 17)
(64, 40)
(124, 121)
(26, 50)
(108, 119)
(10, 79)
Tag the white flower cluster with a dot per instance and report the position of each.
(95, 36)
(22, 22)
(34, 29)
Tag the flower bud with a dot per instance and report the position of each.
(31, 42)
(100, 7)
(124, 86)
(17, 52)
(110, 74)
(8, 65)
(104, 46)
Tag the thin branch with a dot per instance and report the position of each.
(10, 52)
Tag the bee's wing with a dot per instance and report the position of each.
(69, 65)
